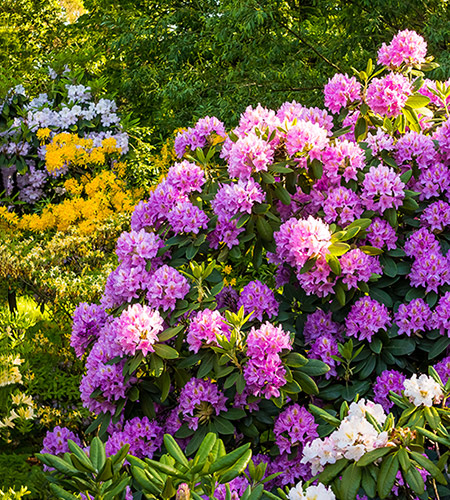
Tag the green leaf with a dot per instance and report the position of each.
(306, 383)
(351, 479)
(62, 493)
(361, 129)
(315, 367)
(438, 347)
(170, 333)
(107, 471)
(237, 468)
(166, 352)
(229, 459)
(174, 450)
(404, 460)
(428, 465)
(316, 169)
(267, 178)
(372, 456)
(264, 229)
(337, 249)
(332, 471)
(283, 195)
(417, 101)
(324, 415)
(414, 480)
(334, 264)
(369, 250)
(97, 453)
(223, 425)
(386, 476)
(295, 360)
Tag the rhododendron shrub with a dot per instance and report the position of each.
(338, 237)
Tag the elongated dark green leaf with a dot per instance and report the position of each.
(372, 456)
(386, 476)
(166, 352)
(351, 479)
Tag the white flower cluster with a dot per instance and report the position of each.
(352, 439)
(319, 492)
(423, 390)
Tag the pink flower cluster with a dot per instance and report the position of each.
(136, 247)
(388, 95)
(137, 329)
(258, 298)
(342, 206)
(358, 267)
(204, 327)
(167, 286)
(264, 372)
(306, 138)
(436, 216)
(198, 136)
(343, 159)
(381, 233)
(298, 240)
(407, 47)
(382, 189)
(340, 91)
(441, 315)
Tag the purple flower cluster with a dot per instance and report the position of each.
(55, 442)
(389, 380)
(340, 91)
(143, 435)
(441, 315)
(204, 327)
(342, 206)
(323, 348)
(436, 216)
(367, 317)
(167, 286)
(264, 372)
(199, 135)
(107, 379)
(293, 427)
(358, 266)
(185, 217)
(320, 323)
(227, 298)
(433, 181)
(415, 147)
(413, 317)
(199, 400)
(442, 136)
(443, 369)
(382, 189)
(388, 95)
(238, 485)
(258, 298)
(381, 233)
(407, 47)
(137, 329)
(88, 320)
(135, 247)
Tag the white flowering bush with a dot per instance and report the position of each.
(281, 290)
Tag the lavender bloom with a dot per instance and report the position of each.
(260, 299)
(389, 380)
(366, 318)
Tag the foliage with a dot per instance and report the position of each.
(173, 62)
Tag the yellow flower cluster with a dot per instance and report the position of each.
(91, 201)
(69, 149)
(9, 371)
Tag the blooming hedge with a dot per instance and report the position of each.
(348, 210)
